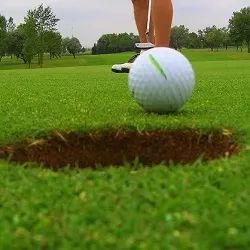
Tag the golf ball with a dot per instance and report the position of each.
(161, 80)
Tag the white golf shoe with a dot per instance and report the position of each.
(125, 67)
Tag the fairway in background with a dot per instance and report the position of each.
(88, 60)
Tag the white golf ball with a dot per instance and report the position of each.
(161, 80)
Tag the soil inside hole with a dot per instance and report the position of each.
(116, 147)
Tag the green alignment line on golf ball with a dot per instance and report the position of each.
(157, 65)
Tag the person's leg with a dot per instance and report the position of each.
(151, 33)
(162, 14)
(141, 17)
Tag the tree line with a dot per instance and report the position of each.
(236, 34)
(115, 43)
(38, 35)
(35, 37)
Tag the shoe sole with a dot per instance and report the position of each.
(144, 46)
(122, 71)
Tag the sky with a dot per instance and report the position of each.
(89, 19)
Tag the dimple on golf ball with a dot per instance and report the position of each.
(161, 80)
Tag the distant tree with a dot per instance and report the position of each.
(124, 42)
(31, 40)
(226, 37)
(213, 37)
(83, 50)
(45, 21)
(134, 39)
(10, 25)
(179, 37)
(3, 34)
(102, 45)
(236, 37)
(114, 43)
(94, 49)
(109, 43)
(239, 26)
(65, 42)
(10, 43)
(201, 38)
(193, 41)
(74, 46)
(18, 42)
(3, 23)
(53, 41)
(10, 37)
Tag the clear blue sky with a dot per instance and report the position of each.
(88, 19)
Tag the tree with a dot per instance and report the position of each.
(74, 46)
(65, 42)
(103, 43)
(10, 43)
(53, 41)
(3, 34)
(236, 37)
(134, 39)
(10, 25)
(193, 41)
(201, 38)
(124, 42)
(18, 42)
(239, 26)
(226, 37)
(31, 40)
(94, 49)
(45, 21)
(83, 50)
(179, 37)
(213, 37)
(114, 43)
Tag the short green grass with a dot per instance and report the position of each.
(194, 207)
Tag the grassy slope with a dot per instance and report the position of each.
(200, 207)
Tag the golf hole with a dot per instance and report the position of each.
(106, 148)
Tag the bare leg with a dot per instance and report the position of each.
(141, 17)
(151, 34)
(162, 13)
(141, 14)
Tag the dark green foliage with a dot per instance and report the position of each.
(210, 37)
(193, 41)
(3, 33)
(14, 42)
(239, 26)
(179, 37)
(83, 49)
(53, 42)
(213, 37)
(65, 42)
(201, 39)
(94, 49)
(31, 40)
(114, 43)
(45, 21)
(10, 25)
(226, 38)
(74, 46)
